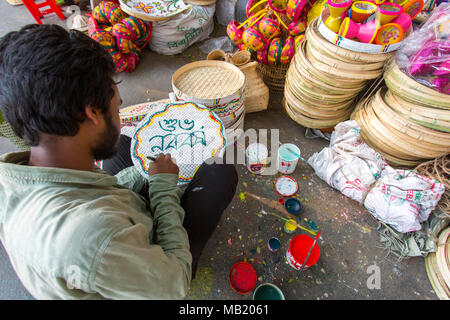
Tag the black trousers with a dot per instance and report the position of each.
(205, 199)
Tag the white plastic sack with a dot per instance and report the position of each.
(399, 198)
(174, 36)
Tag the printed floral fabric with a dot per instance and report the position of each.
(156, 8)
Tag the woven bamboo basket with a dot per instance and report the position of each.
(400, 141)
(200, 2)
(218, 85)
(7, 132)
(437, 265)
(274, 76)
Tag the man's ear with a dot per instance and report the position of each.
(93, 114)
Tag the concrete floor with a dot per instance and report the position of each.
(349, 241)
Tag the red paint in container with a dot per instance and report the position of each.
(242, 277)
(298, 250)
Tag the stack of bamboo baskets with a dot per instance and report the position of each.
(437, 265)
(324, 80)
(407, 122)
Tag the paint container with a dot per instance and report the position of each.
(298, 250)
(288, 155)
(268, 291)
(293, 206)
(290, 226)
(274, 244)
(242, 277)
(256, 157)
(286, 186)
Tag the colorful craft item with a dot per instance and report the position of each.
(122, 39)
(269, 28)
(413, 8)
(404, 20)
(108, 12)
(261, 55)
(338, 7)
(288, 50)
(234, 32)
(389, 33)
(279, 6)
(274, 51)
(333, 23)
(388, 11)
(361, 10)
(253, 20)
(296, 28)
(253, 39)
(364, 32)
(298, 40)
(294, 9)
(255, 6)
(153, 10)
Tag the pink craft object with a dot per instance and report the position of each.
(278, 5)
(234, 32)
(404, 20)
(253, 39)
(296, 28)
(363, 32)
(338, 7)
(294, 9)
(269, 28)
(443, 69)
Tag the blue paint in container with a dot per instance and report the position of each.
(293, 206)
(274, 244)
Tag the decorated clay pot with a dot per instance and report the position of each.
(296, 28)
(361, 10)
(234, 32)
(294, 9)
(389, 33)
(253, 39)
(364, 32)
(269, 28)
(388, 12)
(274, 51)
(288, 50)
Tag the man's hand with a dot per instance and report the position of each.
(163, 164)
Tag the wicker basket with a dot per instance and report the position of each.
(7, 132)
(274, 76)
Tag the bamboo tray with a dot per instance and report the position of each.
(412, 91)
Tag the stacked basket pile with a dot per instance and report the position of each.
(324, 80)
(407, 122)
(437, 265)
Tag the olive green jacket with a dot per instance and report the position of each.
(74, 234)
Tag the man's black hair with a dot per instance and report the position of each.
(48, 76)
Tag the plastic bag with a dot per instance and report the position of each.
(399, 198)
(174, 36)
(425, 55)
(222, 43)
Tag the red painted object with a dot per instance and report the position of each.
(37, 11)
(242, 277)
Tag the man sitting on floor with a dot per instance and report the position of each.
(71, 230)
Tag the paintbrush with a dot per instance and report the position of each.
(287, 220)
(151, 158)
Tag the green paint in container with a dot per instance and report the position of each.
(268, 291)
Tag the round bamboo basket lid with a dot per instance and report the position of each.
(312, 123)
(327, 77)
(402, 141)
(208, 79)
(142, 16)
(412, 91)
(411, 134)
(342, 69)
(427, 117)
(315, 46)
(379, 144)
(317, 92)
(314, 82)
(436, 279)
(443, 255)
(313, 33)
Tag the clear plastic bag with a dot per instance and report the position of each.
(425, 55)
